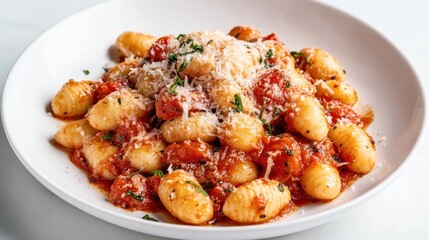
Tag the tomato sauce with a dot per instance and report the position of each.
(105, 88)
(272, 88)
(161, 48)
(169, 105)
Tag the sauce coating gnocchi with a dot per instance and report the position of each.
(216, 127)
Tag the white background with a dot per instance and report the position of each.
(29, 211)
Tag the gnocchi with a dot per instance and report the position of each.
(185, 198)
(354, 146)
(216, 127)
(74, 99)
(256, 201)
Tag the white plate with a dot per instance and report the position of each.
(382, 76)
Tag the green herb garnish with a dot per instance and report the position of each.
(109, 135)
(295, 55)
(180, 36)
(147, 217)
(228, 190)
(119, 101)
(183, 66)
(289, 152)
(177, 82)
(136, 197)
(210, 41)
(265, 122)
(238, 104)
(172, 57)
(86, 71)
(198, 188)
(158, 173)
(269, 54)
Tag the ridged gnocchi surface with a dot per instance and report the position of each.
(98, 154)
(75, 134)
(322, 65)
(354, 146)
(185, 198)
(74, 99)
(134, 44)
(256, 201)
(321, 181)
(201, 126)
(109, 111)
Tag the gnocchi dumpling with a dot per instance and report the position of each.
(75, 134)
(322, 65)
(224, 94)
(134, 44)
(125, 103)
(333, 89)
(197, 126)
(121, 70)
(241, 131)
(321, 181)
(307, 118)
(145, 156)
(184, 197)
(354, 146)
(74, 99)
(245, 33)
(256, 201)
(98, 154)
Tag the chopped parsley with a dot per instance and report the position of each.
(195, 48)
(147, 217)
(177, 82)
(119, 101)
(265, 122)
(198, 188)
(172, 57)
(183, 66)
(158, 173)
(136, 197)
(180, 36)
(108, 136)
(238, 104)
(289, 152)
(296, 56)
(86, 71)
(228, 190)
(269, 54)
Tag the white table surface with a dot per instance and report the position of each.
(30, 211)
